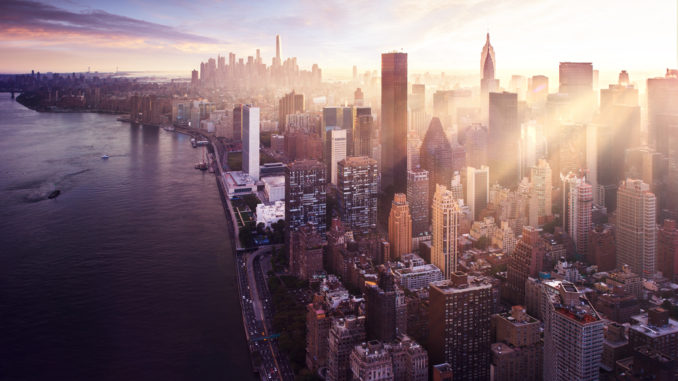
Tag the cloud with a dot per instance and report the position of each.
(33, 19)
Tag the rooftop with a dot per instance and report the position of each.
(644, 327)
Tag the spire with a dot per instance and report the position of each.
(488, 38)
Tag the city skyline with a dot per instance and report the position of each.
(121, 35)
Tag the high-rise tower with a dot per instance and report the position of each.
(445, 230)
(400, 226)
(394, 122)
(278, 49)
(636, 227)
(250, 137)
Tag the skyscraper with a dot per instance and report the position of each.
(459, 325)
(417, 197)
(305, 195)
(436, 156)
(636, 227)
(504, 137)
(474, 139)
(357, 187)
(662, 101)
(518, 353)
(307, 252)
(667, 249)
(363, 132)
(289, 104)
(250, 137)
(477, 189)
(576, 80)
(487, 82)
(579, 209)
(400, 226)
(337, 152)
(445, 230)
(237, 122)
(526, 261)
(278, 50)
(573, 334)
(394, 122)
(540, 201)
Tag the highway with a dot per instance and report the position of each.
(257, 313)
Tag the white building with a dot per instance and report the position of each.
(337, 151)
(417, 277)
(269, 214)
(250, 141)
(239, 183)
(274, 186)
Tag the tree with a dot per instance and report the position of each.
(251, 200)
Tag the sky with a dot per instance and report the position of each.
(173, 35)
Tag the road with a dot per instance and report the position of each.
(258, 316)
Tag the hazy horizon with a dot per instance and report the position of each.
(528, 36)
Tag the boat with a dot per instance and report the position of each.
(193, 142)
(201, 166)
(54, 194)
(105, 157)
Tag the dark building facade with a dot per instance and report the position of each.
(504, 135)
(394, 122)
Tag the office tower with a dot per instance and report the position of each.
(568, 181)
(518, 351)
(418, 196)
(662, 334)
(305, 195)
(459, 325)
(573, 335)
(603, 251)
(237, 122)
(394, 122)
(662, 110)
(474, 140)
(413, 150)
(357, 183)
(250, 138)
(345, 334)
(667, 249)
(400, 227)
(504, 138)
(436, 156)
(278, 50)
(477, 189)
(526, 261)
(337, 152)
(386, 307)
(195, 81)
(307, 252)
(358, 98)
(636, 227)
(538, 91)
(576, 80)
(363, 132)
(418, 101)
(289, 104)
(456, 187)
(446, 213)
(672, 170)
(540, 202)
(579, 204)
(487, 82)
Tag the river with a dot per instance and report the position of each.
(128, 274)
